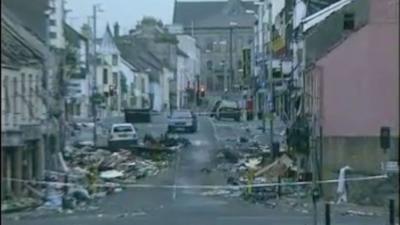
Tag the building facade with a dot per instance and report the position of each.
(221, 29)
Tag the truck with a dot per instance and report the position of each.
(137, 115)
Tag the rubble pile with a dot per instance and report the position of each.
(246, 162)
(16, 204)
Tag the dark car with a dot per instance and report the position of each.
(182, 120)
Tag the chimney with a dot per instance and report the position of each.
(116, 29)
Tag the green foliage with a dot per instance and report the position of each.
(97, 98)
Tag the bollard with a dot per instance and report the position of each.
(327, 214)
(391, 212)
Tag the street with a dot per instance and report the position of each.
(183, 206)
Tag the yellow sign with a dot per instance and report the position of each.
(250, 179)
(278, 44)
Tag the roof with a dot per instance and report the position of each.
(182, 53)
(31, 14)
(73, 36)
(18, 45)
(213, 14)
(319, 16)
(135, 52)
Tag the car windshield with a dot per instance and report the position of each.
(198, 112)
(119, 129)
(181, 114)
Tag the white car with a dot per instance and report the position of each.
(122, 135)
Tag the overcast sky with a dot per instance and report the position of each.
(126, 12)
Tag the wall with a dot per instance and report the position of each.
(58, 29)
(364, 155)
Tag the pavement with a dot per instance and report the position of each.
(160, 206)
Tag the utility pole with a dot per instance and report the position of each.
(229, 81)
(94, 110)
(270, 77)
(198, 90)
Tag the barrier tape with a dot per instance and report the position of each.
(113, 184)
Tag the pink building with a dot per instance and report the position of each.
(360, 93)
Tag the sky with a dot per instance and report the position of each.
(125, 12)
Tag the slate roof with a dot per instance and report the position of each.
(31, 13)
(135, 52)
(73, 36)
(213, 14)
(18, 45)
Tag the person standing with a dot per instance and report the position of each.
(342, 185)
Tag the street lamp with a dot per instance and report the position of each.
(231, 27)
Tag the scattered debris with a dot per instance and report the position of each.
(358, 213)
(110, 174)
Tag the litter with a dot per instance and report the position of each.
(110, 174)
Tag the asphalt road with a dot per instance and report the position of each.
(156, 206)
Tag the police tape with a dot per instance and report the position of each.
(233, 187)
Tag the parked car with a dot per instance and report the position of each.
(182, 120)
(228, 109)
(122, 135)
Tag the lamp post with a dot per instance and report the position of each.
(231, 73)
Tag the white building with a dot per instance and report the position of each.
(108, 75)
(77, 69)
(188, 67)
(56, 15)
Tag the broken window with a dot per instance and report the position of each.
(348, 23)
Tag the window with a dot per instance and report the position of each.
(15, 99)
(240, 64)
(78, 109)
(105, 76)
(52, 22)
(23, 94)
(30, 99)
(6, 94)
(348, 23)
(115, 79)
(114, 60)
(37, 85)
(209, 65)
(53, 35)
(23, 84)
(143, 86)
